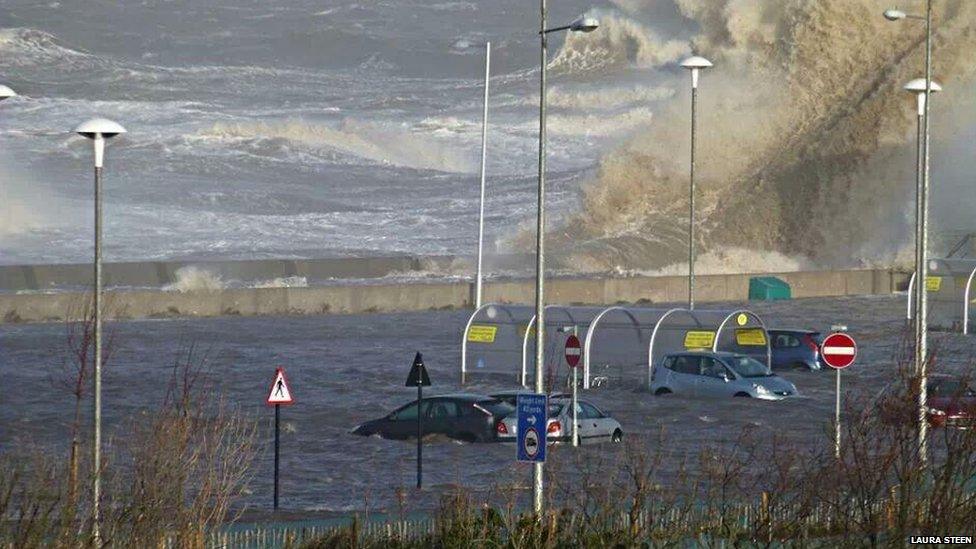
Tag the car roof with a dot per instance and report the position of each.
(706, 353)
(793, 330)
(474, 397)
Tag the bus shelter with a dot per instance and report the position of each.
(949, 286)
(618, 342)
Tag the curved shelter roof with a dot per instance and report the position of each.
(950, 287)
(618, 341)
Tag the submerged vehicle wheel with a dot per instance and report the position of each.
(743, 395)
(617, 436)
(662, 391)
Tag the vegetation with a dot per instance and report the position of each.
(168, 481)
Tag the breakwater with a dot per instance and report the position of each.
(419, 296)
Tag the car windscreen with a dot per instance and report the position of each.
(497, 407)
(747, 366)
(950, 388)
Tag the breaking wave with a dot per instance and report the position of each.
(621, 41)
(398, 147)
(804, 134)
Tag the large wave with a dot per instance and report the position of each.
(398, 147)
(804, 134)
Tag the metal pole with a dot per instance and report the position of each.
(921, 328)
(540, 245)
(691, 198)
(97, 377)
(420, 435)
(277, 445)
(837, 419)
(484, 157)
(575, 402)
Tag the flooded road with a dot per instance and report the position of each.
(347, 369)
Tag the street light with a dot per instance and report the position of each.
(581, 24)
(695, 64)
(923, 90)
(98, 130)
(484, 158)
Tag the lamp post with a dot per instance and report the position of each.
(582, 24)
(98, 130)
(484, 157)
(695, 64)
(921, 221)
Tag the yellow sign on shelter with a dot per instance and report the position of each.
(699, 339)
(750, 337)
(933, 283)
(479, 333)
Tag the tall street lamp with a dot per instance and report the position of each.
(98, 130)
(921, 225)
(582, 24)
(484, 158)
(695, 64)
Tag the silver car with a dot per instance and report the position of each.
(593, 424)
(708, 374)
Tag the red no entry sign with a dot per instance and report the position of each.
(838, 350)
(573, 351)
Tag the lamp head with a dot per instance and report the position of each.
(696, 62)
(918, 86)
(6, 92)
(894, 15)
(584, 24)
(96, 127)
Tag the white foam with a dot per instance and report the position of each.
(387, 145)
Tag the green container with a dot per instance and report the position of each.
(768, 288)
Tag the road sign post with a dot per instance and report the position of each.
(533, 411)
(418, 378)
(573, 353)
(278, 395)
(839, 351)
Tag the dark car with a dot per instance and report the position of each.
(467, 417)
(795, 349)
(951, 402)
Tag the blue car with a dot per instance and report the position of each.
(795, 349)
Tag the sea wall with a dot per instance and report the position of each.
(361, 298)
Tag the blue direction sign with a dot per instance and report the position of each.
(532, 412)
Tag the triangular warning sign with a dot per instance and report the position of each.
(418, 373)
(279, 393)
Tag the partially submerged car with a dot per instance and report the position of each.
(718, 374)
(951, 402)
(795, 349)
(465, 416)
(593, 424)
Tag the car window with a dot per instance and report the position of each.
(747, 366)
(669, 363)
(497, 408)
(442, 409)
(712, 368)
(410, 412)
(949, 388)
(685, 364)
(555, 409)
(785, 341)
(590, 411)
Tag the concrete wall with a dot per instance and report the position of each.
(38, 307)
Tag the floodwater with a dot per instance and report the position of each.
(346, 369)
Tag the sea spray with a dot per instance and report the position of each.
(806, 95)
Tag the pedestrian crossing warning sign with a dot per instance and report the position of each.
(279, 393)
